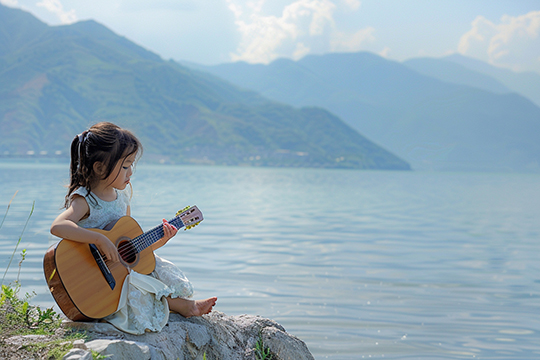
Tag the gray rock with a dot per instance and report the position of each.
(79, 344)
(217, 335)
(21, 340)
(120, 349)
(78, 354)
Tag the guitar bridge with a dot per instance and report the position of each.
(102, 266)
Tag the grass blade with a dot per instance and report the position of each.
(8, 208)
(18, 242)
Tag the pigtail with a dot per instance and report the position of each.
(73, 170)
(79, 173)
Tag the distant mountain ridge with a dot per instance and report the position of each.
(431, 121)
(56, 81)
(525, 83)
(455, 73)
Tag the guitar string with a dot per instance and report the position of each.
(129, 248)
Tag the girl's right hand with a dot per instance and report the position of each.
(107, 248)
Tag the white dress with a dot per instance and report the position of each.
(142, 305)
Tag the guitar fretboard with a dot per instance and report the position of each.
(143, 241)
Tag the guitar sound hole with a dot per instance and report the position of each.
(127, 251)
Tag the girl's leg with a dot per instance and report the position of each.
(188, 308)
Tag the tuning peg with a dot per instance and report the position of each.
(191, 226)
(181, 211)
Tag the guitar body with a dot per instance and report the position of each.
(76, 281)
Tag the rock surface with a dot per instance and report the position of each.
(217, 335)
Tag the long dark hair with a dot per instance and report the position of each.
(105, 143)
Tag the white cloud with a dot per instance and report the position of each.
(353, 4)
(476, 41)
(303, 27)
(11, 3)
(513, 42)
(300, 51)
(256, 6)
(236, 10)
(385, 52)
(56, 7)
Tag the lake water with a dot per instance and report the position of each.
(358, 264)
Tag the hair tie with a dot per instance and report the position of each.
(82, 138)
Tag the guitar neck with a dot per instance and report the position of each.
(143, 241)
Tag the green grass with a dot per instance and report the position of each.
(19, 317)
(262, 352)
(57, 348)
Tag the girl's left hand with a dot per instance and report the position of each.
(169, 231)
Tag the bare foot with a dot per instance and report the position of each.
(201, 307)
(189, 308)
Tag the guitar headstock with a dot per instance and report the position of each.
(191, 216)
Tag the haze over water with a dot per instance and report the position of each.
(358, 264)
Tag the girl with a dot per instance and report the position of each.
(102, 159)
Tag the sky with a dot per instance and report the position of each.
(504, 33)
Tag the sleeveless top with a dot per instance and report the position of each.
(142, 306)
(102, 213)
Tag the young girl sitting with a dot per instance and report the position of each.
(102, 159)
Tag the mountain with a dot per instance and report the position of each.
(56, 81)
(525, 83)
(455, 73)
(431, 123)
(18, 27)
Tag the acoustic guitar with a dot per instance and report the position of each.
(87, 286)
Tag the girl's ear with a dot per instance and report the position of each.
(98, 168)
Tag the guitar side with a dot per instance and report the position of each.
(76, 282)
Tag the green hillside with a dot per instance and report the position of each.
(56, 81)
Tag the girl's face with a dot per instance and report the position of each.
(122, 172)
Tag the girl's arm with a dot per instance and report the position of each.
(65, 226)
